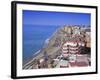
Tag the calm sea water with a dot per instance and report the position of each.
(34, 37)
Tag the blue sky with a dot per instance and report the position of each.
(55, 18)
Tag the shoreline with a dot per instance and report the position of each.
(52, 45)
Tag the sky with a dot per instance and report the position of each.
(31, 17)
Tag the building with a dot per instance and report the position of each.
(69, 47)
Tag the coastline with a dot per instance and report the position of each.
(53, 46)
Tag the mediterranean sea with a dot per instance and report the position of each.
(34, 37)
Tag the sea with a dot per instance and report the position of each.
(34, 38)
